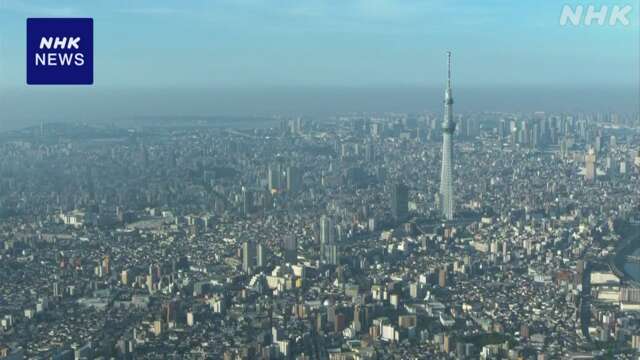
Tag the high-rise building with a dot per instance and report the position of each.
(248, 256)
(247, 201)
(106, 267)
(369, 152)
(327, 230)
(590, 165)
(400, 202)
(56, 289)
(446, 343)
(169, 310)
(294, 179)
(290, 246)
(274, 177)
(261, 255)
(448, 128)
(622, 169)
(328, 247)
(331, 254)
(358, 318)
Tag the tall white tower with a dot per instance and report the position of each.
(448, 128)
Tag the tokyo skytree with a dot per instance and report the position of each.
(448, 128)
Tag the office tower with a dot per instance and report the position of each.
(608, 165)
(274, 177)
(290, 246)
(446, 344)
(327, 230)
(598, 143)
(247, 201)
(503, 129)
(448, 128)
(400, 202)
(590, 165)
(261, 255)
(415, 290)
(623, 168)
(637, 161)
(248, 256)
(169, 310)
(294, 179)
(106, 268)
(358, 318)
(328, 247)
(369, 152)
(331, 254)
(339, 234)
(535, 136)
(56, 289)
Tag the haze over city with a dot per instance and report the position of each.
(253, 57)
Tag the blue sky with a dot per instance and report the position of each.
(249, 43)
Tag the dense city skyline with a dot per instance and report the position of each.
(291, 238)
(246, 181)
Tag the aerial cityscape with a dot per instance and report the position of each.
(334, 235)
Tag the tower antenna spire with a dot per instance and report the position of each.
(449, 69)
(448, 128)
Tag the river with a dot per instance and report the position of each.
(632, 246)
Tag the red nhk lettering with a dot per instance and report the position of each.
(59, 59)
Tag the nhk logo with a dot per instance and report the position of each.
(56, 58)
(592, 15)
(59, 51)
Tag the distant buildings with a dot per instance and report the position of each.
(590, 165)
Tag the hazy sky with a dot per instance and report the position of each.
(167, 45)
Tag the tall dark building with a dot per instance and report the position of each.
(328, 235)
(290, 248)
(400, 202)
(248, 256)
(294, 179)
